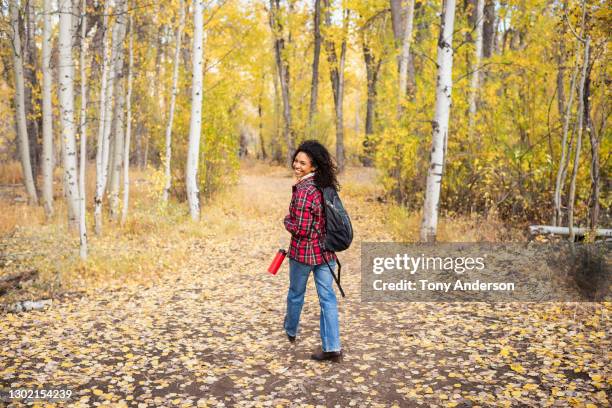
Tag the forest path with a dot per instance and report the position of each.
(210, 333)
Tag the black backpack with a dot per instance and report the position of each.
(338, 228)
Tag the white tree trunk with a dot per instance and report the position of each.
(475, 85)
(179, 33)
(128, 127)
(119, 115)
(548, 229)
(47, 112)
(100, 153)
(561, 171)
(22, 132)
(66, 103)
(440, 123)
(405, 54)
(195, 125)
(572, 192)
(83, 127)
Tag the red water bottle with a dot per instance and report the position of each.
(277, 261)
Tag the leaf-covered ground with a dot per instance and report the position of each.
(208, 332)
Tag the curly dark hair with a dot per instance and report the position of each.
(326, 169)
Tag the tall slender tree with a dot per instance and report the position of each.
(195, 125)
(314, 86)
(116, 161)
(83, 129)
(475, 83)
(22, 132)
(102, 145)
(47, 113)
(580, 126)
(440, 123)
(175, 72)
(404, 57)
(282, 69)
(336, 72)
(66, 105)
(128, 126)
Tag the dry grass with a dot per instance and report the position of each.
(158, 239)
(405, 226)
(10, 173)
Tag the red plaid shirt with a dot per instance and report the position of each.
(306, 223)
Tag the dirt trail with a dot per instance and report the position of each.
(210, 334)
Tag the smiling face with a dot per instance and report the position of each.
(302, 165)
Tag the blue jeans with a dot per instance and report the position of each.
(328, 322)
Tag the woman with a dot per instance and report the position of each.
(314, 169)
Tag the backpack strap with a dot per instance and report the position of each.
(336, 278)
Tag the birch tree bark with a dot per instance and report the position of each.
(128, 126)
(475, 83)
(102, 144)
(22, 132)
(179, 35)
(119, 114)
(47, 112)
(314, 87)
(83, 127)
(284, 76)
(404, 57)
(66, 104)
(195, 125)
(439, 124)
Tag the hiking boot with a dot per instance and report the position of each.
(335, 356)
(291, 338)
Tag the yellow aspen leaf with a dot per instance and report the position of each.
(518, 368)
(596, 377)
(97, 391)
(530, 387)
(358, 379)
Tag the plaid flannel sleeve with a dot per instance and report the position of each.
(299, 219)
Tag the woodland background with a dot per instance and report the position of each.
(527, 139)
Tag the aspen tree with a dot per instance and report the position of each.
(175, 72)
(195, 125)
(22, 133)
(66, 105)
(128, 126)
(83, 128)
(102, 144)
(404, 57)
(47, 112)
(440, 123)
